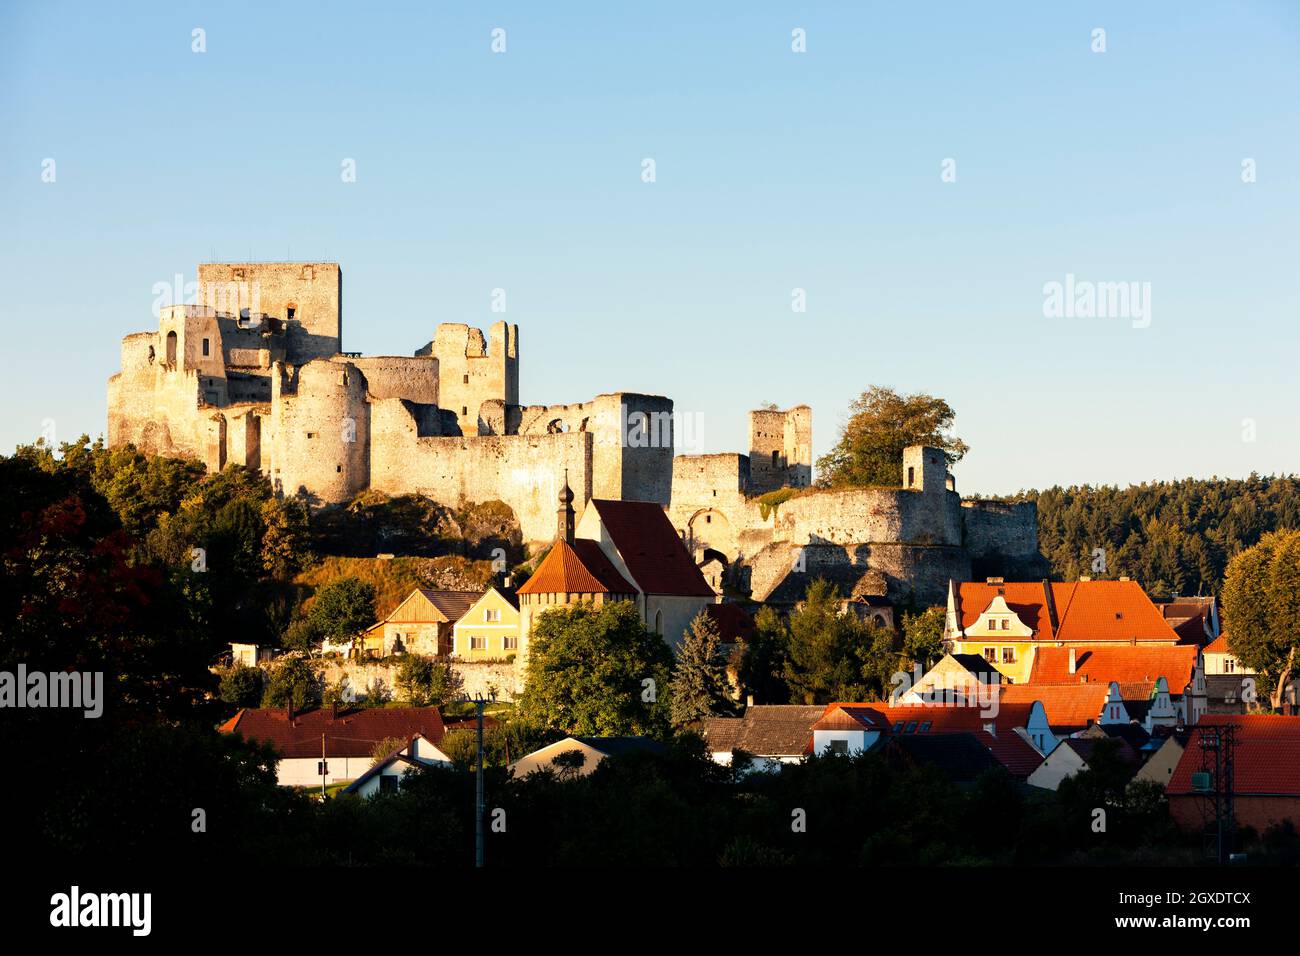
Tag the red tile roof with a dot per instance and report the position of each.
(1266, 755)
(353, 733)
(1085, 610)
(1068, 706)
(1219, 645)
(578, 568)
(1011, 750)
(651, 548)
(1123, 663)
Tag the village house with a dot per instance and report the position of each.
(489, 628)
(771, 734)
(1265, 771)
(328, 745)
(1008, 622)
(846, 728)
(1230, 686)
(385, 776)
(1073, 755)
(422, 624)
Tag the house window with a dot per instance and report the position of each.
(491, 614)
(478, 643)
(387, 783)
(1008, 655)
(1006, 624)
(322, 768)
(898, 727)
(925, 726)
(1229, 665)
(511, 643)
(991, 655)
(911, 727)
(839, 746)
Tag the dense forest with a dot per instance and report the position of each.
(1174, 537)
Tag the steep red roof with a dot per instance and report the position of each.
(1266, 755)
(650, 547)
(1219, 645)
(1123, 663)
(351, 733)
(578, 568)
(1068, 706)
(1011, 750)
(1085, 610)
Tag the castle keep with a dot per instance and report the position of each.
(254, 374)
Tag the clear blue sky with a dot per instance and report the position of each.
(775, 171)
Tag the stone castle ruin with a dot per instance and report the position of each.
(254, 374)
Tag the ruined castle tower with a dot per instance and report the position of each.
(252, 374)
(780, 449)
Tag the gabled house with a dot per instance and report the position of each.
(579, 756)
(1265, 775)
(1229, 684)
(1002, 731)
(772, 734)
(385, 775)
(422, 624)
(328, 745)
(1073, 755)
(489, 628)
(1007, 622)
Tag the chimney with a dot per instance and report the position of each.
(288, 709)
(1074, 664)
(749, 700)
(505, 583)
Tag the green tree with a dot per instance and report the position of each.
(597, 670)
(923, 636)
(699, 687)
(286, 539)
(241, 685)
(827, 649)
(425, 682)
(882, 424)
(342, 609)
(1261, 609)
(292, 680)
(762, 659)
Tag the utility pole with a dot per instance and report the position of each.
(480, 701)
(322, 766)
(479, 808)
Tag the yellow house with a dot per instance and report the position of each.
(421, 624)
(489, 628)
(1007, 622)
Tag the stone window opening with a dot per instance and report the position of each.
(152, 355)
(171, 347)
(911, 476)
(207, 348)
(466, 381)
(290, 311)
